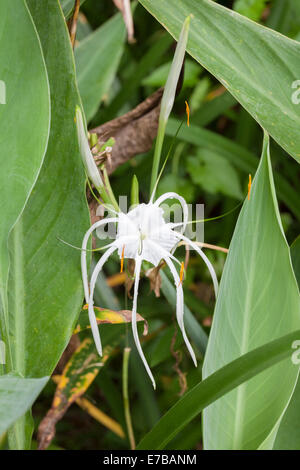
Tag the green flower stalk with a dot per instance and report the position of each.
(169, 97)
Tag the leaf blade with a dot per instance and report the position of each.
(21, 152)
(45, 279)
(250, 316)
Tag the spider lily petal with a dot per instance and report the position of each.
(205, 259)
(180, 307)
(138, 263)
(90, 296)
(179, 295)
(171, 195)
(83, 252)
(85, 152)
(92, 316)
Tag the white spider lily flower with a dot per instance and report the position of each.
(143, 234)
(85, 151)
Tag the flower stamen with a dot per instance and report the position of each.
(122, 259)
(187, 113)
(181, 273)
(249, 187)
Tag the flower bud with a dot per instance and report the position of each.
(173, 77)
(85, 152)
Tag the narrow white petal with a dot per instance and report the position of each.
(83, 253)
(172, 195)
(205, 259)
(180, 307)
(138, 263)
(161, 252)
(92, 316)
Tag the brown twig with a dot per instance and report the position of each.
(207, 245)
(133, 132)
(72, 23)
(187, 257)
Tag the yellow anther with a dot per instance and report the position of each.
(181, 273)
(187, 113)
(249, 187)
(122, 259)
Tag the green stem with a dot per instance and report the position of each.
(109, 190)
(157, 153)
(126, 398)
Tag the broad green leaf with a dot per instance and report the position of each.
(97, 59)
(45, 292)
(238, 52)
(253, 307)
(24, 123)
(16, 397)
(218, 384)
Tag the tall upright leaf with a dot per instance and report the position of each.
(45, 291)
(45, 283)
(45, 288)
(254, 306)
(22, 148)
(256, 64)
